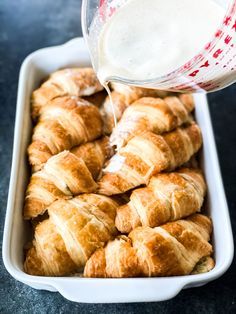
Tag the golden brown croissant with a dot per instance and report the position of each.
(122, 96)
(133, 93)
(147, 154)
(48, 255)
(151, 114)
(170, 250)
(168, 197)
(64, 123)
(63, 176)
(94, 154)
(75, 229)
(72, 82)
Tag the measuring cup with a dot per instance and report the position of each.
(212, 68)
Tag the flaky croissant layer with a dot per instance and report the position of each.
(168, 197)
(94, 154)
(170, 250)
(63, 176)
(122, 96)
(147, 154)
(152, 114)
(66, 82)
(65, 122)
(75, 229)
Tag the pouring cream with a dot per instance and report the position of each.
(147, 39)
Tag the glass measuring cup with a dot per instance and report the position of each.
(212, 68)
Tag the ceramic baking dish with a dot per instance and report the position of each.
(36, 67)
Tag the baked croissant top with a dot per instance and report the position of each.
(122, 96)
(151, 114)
(75, 229)
(94, 154)
(147, 154)
(169, 250)
(65, 122)
(70, 81)
(168, 197)
(63, 176)
(132, 93)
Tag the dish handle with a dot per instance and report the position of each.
(91, 290)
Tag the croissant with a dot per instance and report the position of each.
(173, 249)
(75, 229)
(63, 176)
(151, 114)
(72, 82)
(65, 122)
(122, 96)
(133, 93)
(168, 197)
(94, 154)
(147, 154)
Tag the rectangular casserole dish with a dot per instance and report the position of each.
(16, 233)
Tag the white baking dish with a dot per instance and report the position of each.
(36, 66)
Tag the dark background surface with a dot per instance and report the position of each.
(26, 26)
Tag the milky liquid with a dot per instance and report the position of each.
(146, 39)
(108, 90)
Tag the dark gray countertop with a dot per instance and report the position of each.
(26, 26)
